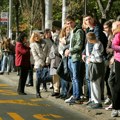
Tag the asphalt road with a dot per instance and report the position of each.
(27, 107)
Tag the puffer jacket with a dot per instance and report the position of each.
(77, 44)
(40, 52)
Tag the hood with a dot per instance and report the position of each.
(76, 28)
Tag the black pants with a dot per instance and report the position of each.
(116, 88)
(23, 71)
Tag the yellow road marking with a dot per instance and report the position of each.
(22, 102)
(8, 92)
(1, 118)
(36, 99)
(15, 116)
(42, 116)
(3, 85)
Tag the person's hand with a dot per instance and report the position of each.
(83, 57)
(111, 60)
(63, 41)
(67, 52)
(27, 44)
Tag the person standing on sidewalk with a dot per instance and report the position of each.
(116, 87)
(40, 52)
(22, 60)
(74, 54)
(96, 69)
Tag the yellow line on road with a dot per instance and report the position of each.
(3, 85)
(1, 118)
(15, 116)
(8, 92)
(22, 102)
(43, 116)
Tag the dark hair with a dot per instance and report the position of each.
(47, 31)
(68, 18)
(21, 37)
(108, 23)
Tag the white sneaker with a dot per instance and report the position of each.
(69, 99)
(109, 107)
(114, 113)
(107, 101)
(119, 112)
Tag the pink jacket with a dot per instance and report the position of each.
(116, 46)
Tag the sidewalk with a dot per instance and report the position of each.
(98, 114)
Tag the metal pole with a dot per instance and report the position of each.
(48, 14)
(9, 27)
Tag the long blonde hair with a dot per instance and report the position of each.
(34, 34)
(63, 32)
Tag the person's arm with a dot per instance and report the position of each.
(79, 37)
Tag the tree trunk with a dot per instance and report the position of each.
(105, 11)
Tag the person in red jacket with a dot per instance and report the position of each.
(22, 61)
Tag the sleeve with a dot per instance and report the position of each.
(116, 43)
(79, 42)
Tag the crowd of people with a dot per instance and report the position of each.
(69, 58)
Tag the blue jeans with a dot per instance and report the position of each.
(64, 87)
(41, 77)
(88, 81)
(75, 71)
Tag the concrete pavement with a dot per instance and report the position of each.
(98, 114)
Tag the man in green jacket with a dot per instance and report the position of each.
(74, 54)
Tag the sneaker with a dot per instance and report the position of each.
(55, 94)
(69, 99)
(107, 101)
(79, 101)
(114, 113)
(109, 107)
(119, 112)
(95, 106)
(38, 95)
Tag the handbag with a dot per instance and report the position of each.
(45, 75)
(63, 71)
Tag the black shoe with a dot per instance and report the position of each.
(1, 73)
(59, 96)
(29, 85)
(64, 97)
(38, 95)
(22, 93)
(55, 94)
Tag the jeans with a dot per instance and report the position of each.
(64, 87)
(40, 72)
(88, 81)
(7, 60)
(75, 71)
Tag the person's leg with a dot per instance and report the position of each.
(116, 87)
(38, 81)
(56, 84)
(77, 87)
(30, 77)
(22, 79)
(3, 64)
(64, 86)
(96, 91)
(88, 82)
